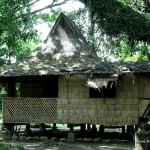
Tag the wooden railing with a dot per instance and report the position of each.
(29, 110)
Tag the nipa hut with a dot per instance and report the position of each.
(63, 81)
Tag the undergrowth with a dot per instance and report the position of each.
(6, 146)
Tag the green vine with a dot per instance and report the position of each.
(116, 18)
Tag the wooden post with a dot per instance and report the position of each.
(83, 126)
(42, 128)
(9, 132)
(54, 127)
(28, 130)
(88, 127)
(101, 130)
(71, 134)
(123, 130)
(94, 129)
(11, 92)
(130, 131)
(71, 127)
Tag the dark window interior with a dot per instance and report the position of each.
(40, 87)
(51, 87)
(104, 92)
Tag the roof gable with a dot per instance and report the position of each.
(64, 49)
(67, 40)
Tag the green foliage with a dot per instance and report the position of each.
(17, 32)
(19, 147)
(116, 18)
(121, 28)
(5, 146)
(3, 93)
(16, 28)
(49, 18)
(46, 17)
(81, 19)
(94, 35)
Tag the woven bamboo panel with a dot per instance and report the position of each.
(128, 87)
(27, 110)
(73, 87)
(99, 111)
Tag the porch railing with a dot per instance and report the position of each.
(29, 110)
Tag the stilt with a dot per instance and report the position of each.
(7, 135)
(42, 128)
(28, 130)
(88, 127)
(94, 129)
(123, 130)
(130, 131)
(71, 127)
(101, 130)
(54, 127)
(83, 127)
(71, 134)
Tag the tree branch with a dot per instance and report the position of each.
(32, 3)
(49, 6)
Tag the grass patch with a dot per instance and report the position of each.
(62, 126)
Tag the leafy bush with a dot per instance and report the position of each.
(5, 146)
(2, 94)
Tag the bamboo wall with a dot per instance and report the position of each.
(128, 86)
(75, 106)
(98, 111)
(73, 87)
(144, 88)
(133, 86)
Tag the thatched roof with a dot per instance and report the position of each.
(66, 51)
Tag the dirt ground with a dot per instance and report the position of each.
(105, 145)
